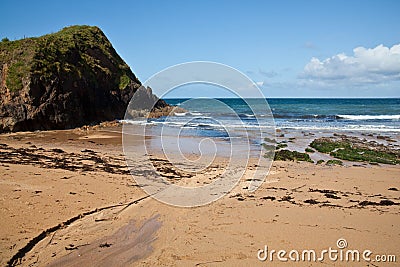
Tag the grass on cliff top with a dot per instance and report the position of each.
(17, 55)
(67, 52)
(346, 150)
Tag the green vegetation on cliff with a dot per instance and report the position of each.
(77, 51)
(16, 58)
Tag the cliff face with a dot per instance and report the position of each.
(63, 80)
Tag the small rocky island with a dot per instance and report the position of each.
(64, 80)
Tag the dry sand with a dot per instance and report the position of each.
(67, 199)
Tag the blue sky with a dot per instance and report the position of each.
(289, 48)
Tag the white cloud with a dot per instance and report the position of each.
(366, 65)
(268, 74)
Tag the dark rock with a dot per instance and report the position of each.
(64, 80)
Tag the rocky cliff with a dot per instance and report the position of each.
(63, 80)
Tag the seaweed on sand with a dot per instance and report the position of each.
(355, 149)
(292, 156)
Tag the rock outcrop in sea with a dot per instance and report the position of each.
(64, 80)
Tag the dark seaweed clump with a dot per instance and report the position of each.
(334, 162)
(289, 155)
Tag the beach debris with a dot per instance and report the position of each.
(311, 201)
(268, 197)
(323, 191)
(328, 195)
(59, 159)
(57, 150)
(167, 169)
(105, 245)
(384, 202)
(71, 247)
(88, 151)
(286, 198)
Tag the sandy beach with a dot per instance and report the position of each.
(67, 199)
(199, 133)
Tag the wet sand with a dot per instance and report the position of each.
(67, 199)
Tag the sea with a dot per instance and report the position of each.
(333, 114)
(232, 120)
(235, 117)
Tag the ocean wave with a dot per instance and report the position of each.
(180, 114)
(336, 117)
(247, 115)
(305, 117)
(134, 122)
(242, 126)
(208, 125)
(348, 128)
(369, 117)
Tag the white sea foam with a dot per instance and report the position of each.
(370, 117)
(361, 128)
(180, 114)
(235, 125)
(134, 122)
